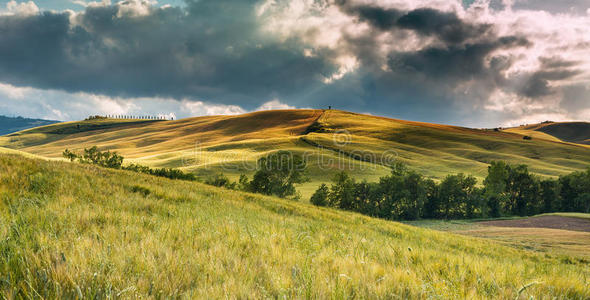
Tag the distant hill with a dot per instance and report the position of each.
(332, 141)
(572, 132)
(9, 125)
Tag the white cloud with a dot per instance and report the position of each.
(135, 8)
(200, 108)
(13, 92)
(274, 104)
(92, 3)
(21, 9)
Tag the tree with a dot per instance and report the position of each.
(522, 189)
(70, 155)
(432, 204)
(366, 198)
(403, 194)
(320, 197)
(458, 196)
(278, 173)
(549, 195)
(342, 192)
(574, 188)
(495, 187)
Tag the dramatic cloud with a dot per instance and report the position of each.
(211, 50)
(478, 63)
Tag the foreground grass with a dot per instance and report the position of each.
(69, 230)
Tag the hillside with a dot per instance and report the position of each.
(332, 140)
(572, 132)
(10, 125)
(78, 231)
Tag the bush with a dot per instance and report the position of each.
(221, 180)
(141, 190)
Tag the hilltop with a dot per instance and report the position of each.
(70, 230)
(332, 140)
(10, 124)
(572, 132)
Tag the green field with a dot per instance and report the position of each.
(332, 140)
(69, 230)
(573, 132)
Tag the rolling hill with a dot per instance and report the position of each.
(71, 230)
(572, 132)
(331, 140)
(10, 125)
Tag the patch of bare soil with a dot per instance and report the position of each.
(555, 222)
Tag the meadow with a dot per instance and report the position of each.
(69, 230)
(332, 140)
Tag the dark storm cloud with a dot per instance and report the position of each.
(464, 52)
(538, 83)
(210, 49)
(454, 62)
(447, 26)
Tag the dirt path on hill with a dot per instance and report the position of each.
(555, 222)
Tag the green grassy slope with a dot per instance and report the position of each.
(70, 230)
(573, 132)
(332, 140)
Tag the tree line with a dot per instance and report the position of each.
(113, 160)
(508, 190)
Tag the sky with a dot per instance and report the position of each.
(477, 63)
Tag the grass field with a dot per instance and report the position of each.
(569, 243)
(332, 140)
(70, 230)
(573, 132)
(572, 215)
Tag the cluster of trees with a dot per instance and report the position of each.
(507, 190)
(276, 174)
(105, 159)
(113, 160)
